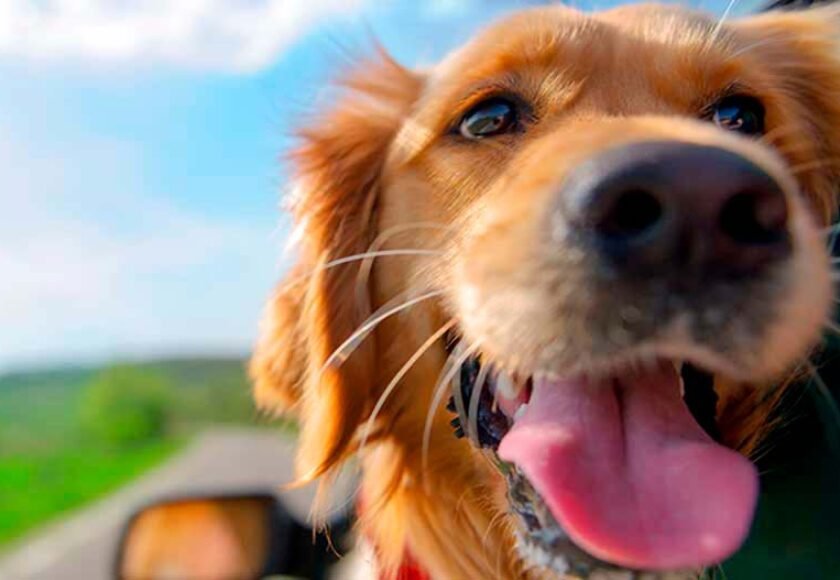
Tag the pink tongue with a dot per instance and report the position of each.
(630, 475)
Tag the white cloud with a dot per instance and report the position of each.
(230, 35)
(150, 279)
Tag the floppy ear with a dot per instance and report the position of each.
(279, 362)
(337, 170)
(801, 51)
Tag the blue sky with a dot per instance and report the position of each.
(139, 173)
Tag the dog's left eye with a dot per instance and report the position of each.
(489, 118)
(739, 113)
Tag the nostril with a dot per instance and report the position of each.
(632, 213)
(681, 212)
(754, 218)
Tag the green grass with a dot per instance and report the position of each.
(37, 487)
(38, 412)
(49, 464)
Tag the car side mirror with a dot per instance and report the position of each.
(218, 537)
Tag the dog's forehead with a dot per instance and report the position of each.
(522, 37)
(561, 34)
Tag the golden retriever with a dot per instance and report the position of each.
(601, 239)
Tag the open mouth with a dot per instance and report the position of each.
(620, 471)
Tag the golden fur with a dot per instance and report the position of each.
(378, 169)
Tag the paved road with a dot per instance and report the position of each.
(82, 546)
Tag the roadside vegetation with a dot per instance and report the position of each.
(70, 436)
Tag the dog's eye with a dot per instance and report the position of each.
(739, 113)
(491, 117)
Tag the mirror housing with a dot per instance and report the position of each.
(225, 537)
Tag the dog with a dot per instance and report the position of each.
(550, 290)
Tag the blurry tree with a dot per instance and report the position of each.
(125, 405)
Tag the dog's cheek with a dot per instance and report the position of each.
(808, 306)
(508, 291)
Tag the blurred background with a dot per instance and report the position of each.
(140, 234)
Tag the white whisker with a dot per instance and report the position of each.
(398, 377)
(438, 393)
(780, 132)
(722, 20)
(359, 257)
(814, 164)
(347, 347)
(367, 265)
(475, 398)
(825, 393)
(758, 44)
(458, 397)
(832, 326)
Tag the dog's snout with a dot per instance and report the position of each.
(667, 207)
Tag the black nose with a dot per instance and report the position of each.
(668, 207)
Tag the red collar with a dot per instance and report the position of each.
(410, 570)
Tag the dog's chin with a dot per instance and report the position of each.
(560, 487)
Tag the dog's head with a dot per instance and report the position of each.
(603, 236)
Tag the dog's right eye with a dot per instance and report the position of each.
(488, 119)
